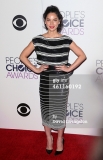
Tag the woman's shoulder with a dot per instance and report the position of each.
(37, 36)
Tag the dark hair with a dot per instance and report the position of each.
(53, 9)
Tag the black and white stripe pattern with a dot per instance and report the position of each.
(51, 54)
(52, 51)
(53, 63)
(53, 101)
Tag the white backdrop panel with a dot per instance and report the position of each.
(14, 91)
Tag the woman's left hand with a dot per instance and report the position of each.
(62, 68)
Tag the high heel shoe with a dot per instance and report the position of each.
(59, 152)
(49, 150)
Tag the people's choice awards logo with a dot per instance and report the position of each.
(73, 22)
(23, 109)
(19, 22)
(16, 69)
(74, 111)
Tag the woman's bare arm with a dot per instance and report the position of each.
(24, 58)
(25, 54)
(79, 53)
(81, 57)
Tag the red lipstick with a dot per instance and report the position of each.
(51, 27)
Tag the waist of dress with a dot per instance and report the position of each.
(52, 70)
(53, 67)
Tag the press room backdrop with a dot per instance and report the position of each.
(20, 21)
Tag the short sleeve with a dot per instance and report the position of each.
(69, 39)
(34, 40)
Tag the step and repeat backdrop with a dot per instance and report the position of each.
(19, 87)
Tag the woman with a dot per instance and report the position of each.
(52, 50)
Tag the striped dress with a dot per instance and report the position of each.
(54, 85)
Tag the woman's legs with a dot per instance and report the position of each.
(49, 137)
(60, 139)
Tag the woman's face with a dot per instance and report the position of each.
(52, 21)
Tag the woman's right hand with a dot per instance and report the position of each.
(41, 68)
